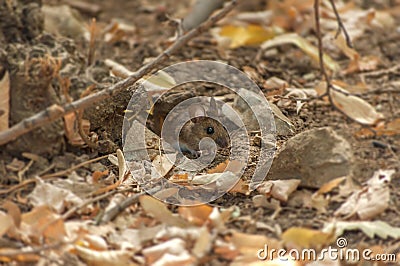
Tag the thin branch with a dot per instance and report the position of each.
(201, 10)
(48, 176)
(69, 170)
(321, 49)
(73, 210)
(329, 85)
(113, 212)
(341, 27)
(55, 111)
(321, 53)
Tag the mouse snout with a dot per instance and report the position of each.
(222, 142)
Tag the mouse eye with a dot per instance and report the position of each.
(210, 130)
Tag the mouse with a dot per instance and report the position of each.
(201, 126)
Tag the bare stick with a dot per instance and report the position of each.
(201, 10)
(341, 27)
(73, 210)
(113, 212)
(55, 112)
(48, 176)
(320, 48)
(329, 85)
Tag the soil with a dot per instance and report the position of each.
(370, 153)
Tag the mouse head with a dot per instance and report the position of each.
(202, 125)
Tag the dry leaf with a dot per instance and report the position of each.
(57, 198)
(250, 244)
(63, 20)
(173, 246)
(265, 188)
(304, 45)
(371, 200)
(240, 187)
(225, 250)
(357, 63)
(180, 177)
(298, 94)
(21, 257)
(118, 31)
(391, 128)
(275, 86)
(245, 35)
(41, 223)
(95, 242)
(278, 189)
(257, 17)
(166, 193)
(122, 167)
(331, 185)
(225, 180)
(6, 222)
(299, 238)
(113, 159)
(4, 101)
(341, 43)
(196, 215)
(13, 211)
(365, 63)
(71, 129)
(289, 14)
(109, 257)
(319, 202)
(220, 168)
(226, 214)
(160, 212)
(371, 229)
(203, 243)
(353, 106)
(96, 175)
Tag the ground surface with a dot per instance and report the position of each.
(286, 63)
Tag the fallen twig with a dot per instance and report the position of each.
(341, 27)
(394, 69)
(113, 212)
(55, 111)
(201, 10)
(73, 210)
(329, 85)
(48, 176)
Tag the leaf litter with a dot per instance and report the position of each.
(233, 229)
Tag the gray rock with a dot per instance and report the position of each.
(315, 156)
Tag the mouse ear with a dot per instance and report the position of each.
(213, 111)
(196, 111)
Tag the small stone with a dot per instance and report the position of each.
(315, 157)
